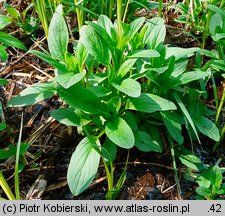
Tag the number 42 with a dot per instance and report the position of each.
(215, 208)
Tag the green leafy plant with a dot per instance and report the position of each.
(17, 151)
(123, 87)
(7, 40)
(210, 183)
(24, 20)
(209, 178)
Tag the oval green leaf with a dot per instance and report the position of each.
(32, 95)
(145, 143)
(58, 37)
(129, 87)
(207, 127)
(119, 132)
(150, 103)
(95, 44)
(83, 166)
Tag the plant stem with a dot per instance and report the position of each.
(160, 7)
(17, 187)
(119, 19)
(79, 16)
(175, 167)
(221, 105)
(125, 11)
(5, 187)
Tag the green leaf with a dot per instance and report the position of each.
(173, 126)
(150, 103)
(215, 22)
(81, 55)
(133, 28)
(145, 143)
(58, 37)
(188, 158)
(203, 191)
(47, 58)
(3, 82)
(179, 52)
(70, 117)
(32, 95)
(120, 133)
(80, 97)
(109, 151)
(4, 21)
(155, 32)
(186, 114)
(95, 44)
(12, 11)
(102, 32)
(129, 87)
(3, 53)
(125, 67)
(207, 127)
(106, 23)
(192, 76)
(23, 148)
(69, 79)
(217, 10)
(83, 166)
(11, 41)
(148, 53)
(2, 126)
(216, 177)
(4, 154)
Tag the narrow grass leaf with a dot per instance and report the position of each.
(186, 114)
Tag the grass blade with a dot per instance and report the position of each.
(17, 188)
(187, 115)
